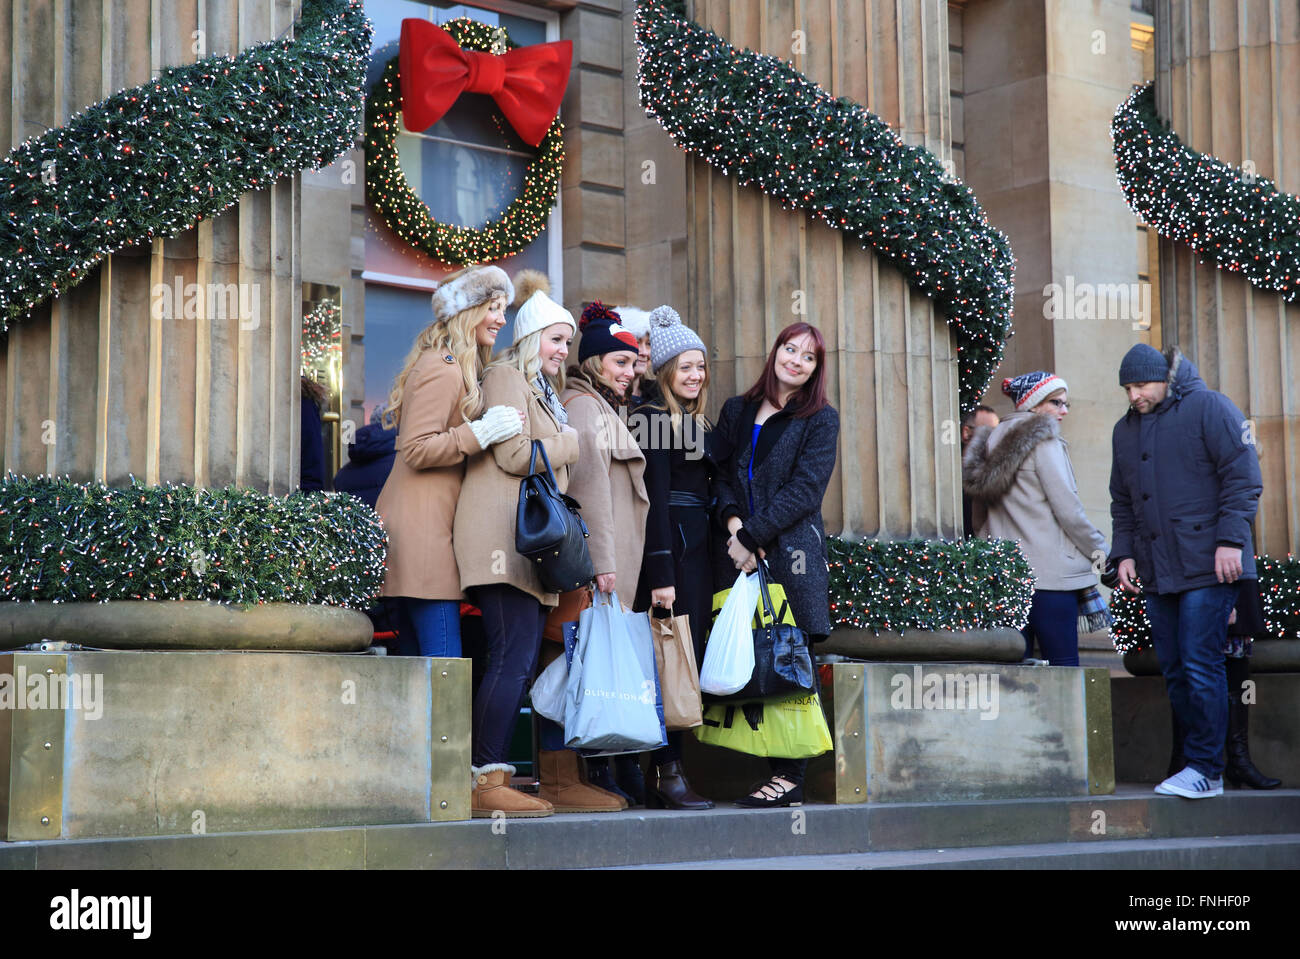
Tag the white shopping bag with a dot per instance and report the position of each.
(729, 655)
(548, 691)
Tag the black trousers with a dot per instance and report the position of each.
(512, 624)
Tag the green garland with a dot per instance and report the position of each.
(1245, 225)
(929, 584)
(1279, 591)
(74, 542)
(759, 119)
(154, 160)
(409, 216)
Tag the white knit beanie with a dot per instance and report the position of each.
(539, 312)
(636, 321)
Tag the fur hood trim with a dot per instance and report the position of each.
(989, 474)
(1174, 357)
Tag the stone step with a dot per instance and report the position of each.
(1222, 852)
(1132, 818)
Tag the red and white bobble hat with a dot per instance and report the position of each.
(1029, 390)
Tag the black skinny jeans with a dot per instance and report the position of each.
(513, 623)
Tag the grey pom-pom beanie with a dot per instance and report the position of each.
(669, 338)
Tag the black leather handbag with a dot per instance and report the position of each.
(782, 661)
(550, 532)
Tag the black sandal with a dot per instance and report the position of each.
(773, 795)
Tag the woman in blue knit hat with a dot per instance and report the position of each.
(1020, 476)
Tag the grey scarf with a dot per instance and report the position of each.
(543, 386)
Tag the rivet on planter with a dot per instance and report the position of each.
(443, 804)
(49, 671)
(857, 789)
(49, 745)
(444, 739)
(444, 674)
(45, 820)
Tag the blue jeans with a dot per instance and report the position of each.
(1054, 622)
(1187, 630)
(435, 625)
(512, 623)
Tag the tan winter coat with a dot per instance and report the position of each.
(418, 501)
(484, 532)
(1020, 473)
(609, 482)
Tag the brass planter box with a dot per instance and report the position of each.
(179, 743)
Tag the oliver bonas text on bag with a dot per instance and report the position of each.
(647, 697)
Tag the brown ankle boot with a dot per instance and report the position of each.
(563, 788)
(494, 794)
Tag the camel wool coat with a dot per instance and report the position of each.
(484, 530)
(609, 483)
(418, 501)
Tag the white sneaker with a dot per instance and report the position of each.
(1190, 784)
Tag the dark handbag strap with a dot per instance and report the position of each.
(532, 462)
(763, 574)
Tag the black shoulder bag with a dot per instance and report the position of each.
(550, 532)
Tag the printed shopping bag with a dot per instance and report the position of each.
(610, 701)
(792, 727)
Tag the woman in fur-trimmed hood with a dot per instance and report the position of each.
(1024, 488)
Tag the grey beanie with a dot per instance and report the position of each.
(1143, 364)
(669, 338)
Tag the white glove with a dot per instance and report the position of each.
(497, 425)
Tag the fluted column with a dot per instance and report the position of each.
(1227, 75)
(94, 384)
(891, 359)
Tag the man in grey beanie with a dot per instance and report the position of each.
(1184, 487)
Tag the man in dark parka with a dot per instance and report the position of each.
(1185, 485)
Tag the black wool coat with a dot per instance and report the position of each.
(792, 468)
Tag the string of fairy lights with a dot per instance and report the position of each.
(758, 119)
(153, 160)
(929, 585)
(64, 541)
(1279, 593)
(1239, 221)
(409, 217)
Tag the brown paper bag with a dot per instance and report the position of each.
(679, 677)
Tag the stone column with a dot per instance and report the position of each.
(93, 385)
(891, 359)
(1042, 81)
(1227, 76)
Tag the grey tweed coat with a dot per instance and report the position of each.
(792, 468)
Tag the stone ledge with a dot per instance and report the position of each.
(1268, 656)
(186, 624)
(970, 646)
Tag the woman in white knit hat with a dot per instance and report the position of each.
(497, 579)
(442, 420)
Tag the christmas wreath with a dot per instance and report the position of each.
(1243, 223)
(759, 119)
(409, 217)
(154, 160)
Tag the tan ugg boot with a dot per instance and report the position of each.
(563, 788)
(494, 794)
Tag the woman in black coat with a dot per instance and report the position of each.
(677, 570)
(776, 448)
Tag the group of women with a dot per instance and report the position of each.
(661, 490)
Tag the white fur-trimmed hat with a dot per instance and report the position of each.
(635, 320)
(468, 289)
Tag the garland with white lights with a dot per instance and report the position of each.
(759, 119)
(929, 585)
(154, 160)
(409, 217)
(1279, 592)
(75, 542)
(1243, 223)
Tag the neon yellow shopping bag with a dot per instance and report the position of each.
(792, 727)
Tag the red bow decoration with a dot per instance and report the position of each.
(527, 84)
